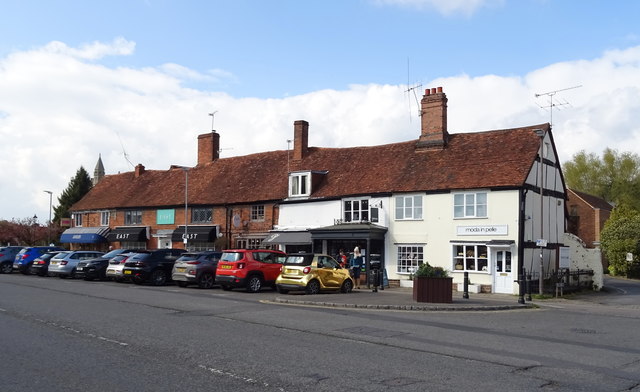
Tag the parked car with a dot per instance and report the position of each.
(40, 265)
(25, 257)
(152, 266)
(116, 264)
(97, 268)
(196, 268)
(64, 264)
(249, 268)
(7, 255)
(313, 273)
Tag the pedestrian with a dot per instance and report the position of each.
(342, 259)
(356, 265)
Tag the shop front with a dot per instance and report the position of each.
(289, 241)
(133, 237)
(368, 237)
(86, 238)
(198, 238)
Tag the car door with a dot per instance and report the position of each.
(270, 266)
(326, 271)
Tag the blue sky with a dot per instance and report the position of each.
(140, 77)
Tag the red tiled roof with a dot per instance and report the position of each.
(492, 159)
(593, 201)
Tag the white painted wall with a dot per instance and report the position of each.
(301, 216)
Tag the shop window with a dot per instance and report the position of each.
(470, 205)
(409, 258)
(470, 258)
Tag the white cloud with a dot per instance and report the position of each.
(95, 50)
(445, 7)
(59, 110)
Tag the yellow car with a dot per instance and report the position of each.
(313, 273)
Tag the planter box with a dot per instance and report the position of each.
(437, 290)
(473, 288)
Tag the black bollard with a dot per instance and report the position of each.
(465, 293)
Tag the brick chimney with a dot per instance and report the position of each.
(139, 170)
(208, 147)
(433, 112)
(300, 139)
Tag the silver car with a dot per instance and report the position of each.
(196, 268)
(116, 264)
(64, 263)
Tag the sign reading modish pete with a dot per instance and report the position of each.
(483, 230)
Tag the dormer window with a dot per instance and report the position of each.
(299, 184)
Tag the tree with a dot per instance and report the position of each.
(620, 236)
(79, 186)
(615, 177)
(24, 231)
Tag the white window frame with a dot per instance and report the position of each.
(104, 218)
(299, 184)
(466, 205)
(257, 212)
(77, 220)
(472, 258)
(407, 207)
(348, 215)
(409, 257)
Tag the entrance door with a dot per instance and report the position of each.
(164, 243)
(503, 278)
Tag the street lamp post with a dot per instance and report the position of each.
(49, 225)
(186, 193)
(541, 242)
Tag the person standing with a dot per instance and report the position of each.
(342, 259)
(356, 265)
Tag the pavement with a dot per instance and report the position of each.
(401, 298)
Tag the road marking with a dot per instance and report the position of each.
(248, 380)
(77, 331)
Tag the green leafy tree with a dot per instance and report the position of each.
(620, 236)
(79, 186)
(615, 177)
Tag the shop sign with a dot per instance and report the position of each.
(483, 230)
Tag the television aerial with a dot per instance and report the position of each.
(550, 104)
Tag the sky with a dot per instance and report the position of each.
(135, 81)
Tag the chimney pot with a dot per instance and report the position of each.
(427, 91)
(433, 90)
(439, 89)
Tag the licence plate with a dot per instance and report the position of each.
(225, 267)
(180, 269)
(127, 272)
(54, 263)
(291, 271)
(111, 271)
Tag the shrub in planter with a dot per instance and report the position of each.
(432, 284)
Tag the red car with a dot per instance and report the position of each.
(249, 268)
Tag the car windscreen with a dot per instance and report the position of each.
(138, 256)
(231, 256)
(299, 260)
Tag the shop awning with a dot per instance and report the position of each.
(196, 234)
(128, 234)
(288, 238)
(84, 235)
(349, 231)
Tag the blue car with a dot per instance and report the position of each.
(25, 257)
(7, 255)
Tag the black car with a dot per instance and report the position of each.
(40, 265)
(196, 268)
(152, 266)
(97, 268)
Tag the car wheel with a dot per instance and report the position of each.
(254, 284)
(6, 268)
(347, 286)
(158, 278)
(206, 280)
(226, 288)
(313, 287)
(282, 291)
(181, 284)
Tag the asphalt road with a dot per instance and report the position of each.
(72, 335)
